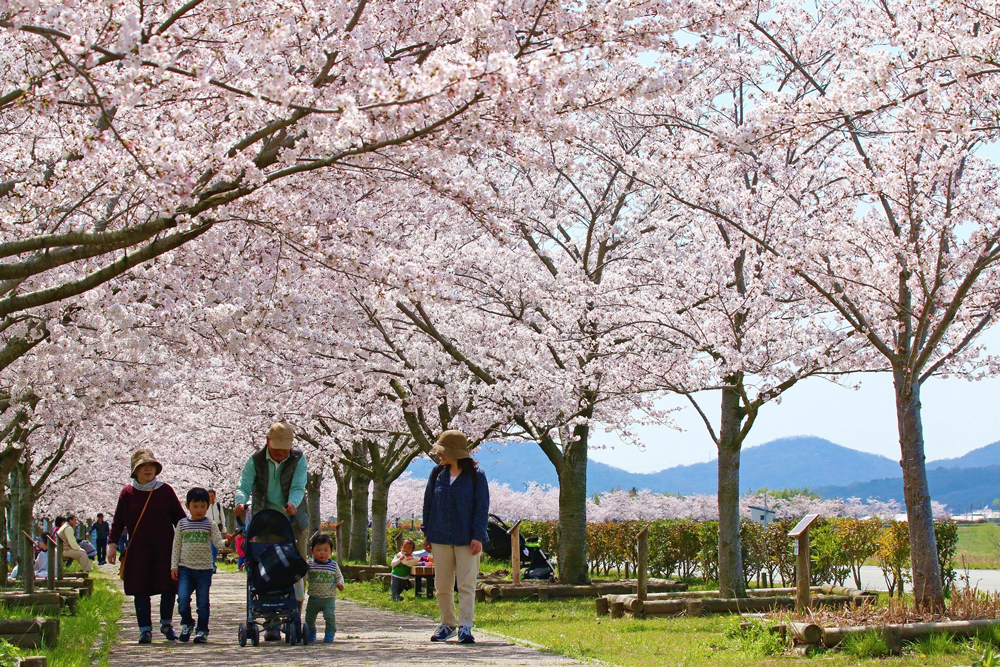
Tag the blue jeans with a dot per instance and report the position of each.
(144, 610)
(199, 582)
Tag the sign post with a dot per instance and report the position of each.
(515, 552)
(802, 562)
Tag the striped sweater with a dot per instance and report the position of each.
(191, 544)
(323, 579)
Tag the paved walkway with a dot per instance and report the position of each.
(365, 636)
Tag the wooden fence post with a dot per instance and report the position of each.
(515, 552)
(802, 562)
(60, 565)
(642, 566)
(340, 546)
(52, 561)
(28, 563)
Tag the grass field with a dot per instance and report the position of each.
(978, 546)
(571, 627)
(85, 638)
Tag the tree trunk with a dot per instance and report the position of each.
(25, 519)
(344, 509)
(17, 492)
(4, 515)
(573, 511)
(359, 518)
(731, 582)
(380, 510)
(927, 588)
(313, 482)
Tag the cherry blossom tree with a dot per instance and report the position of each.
(858, 128)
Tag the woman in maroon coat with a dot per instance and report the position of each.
(147, 559)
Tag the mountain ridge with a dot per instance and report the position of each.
(811, 462)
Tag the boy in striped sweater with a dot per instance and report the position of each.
(191, 563)
(324, 581)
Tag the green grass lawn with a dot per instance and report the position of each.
(571, 627)
(977, 545)
(83, 639)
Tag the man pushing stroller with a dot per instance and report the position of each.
(275, 478)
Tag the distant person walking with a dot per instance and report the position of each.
(148, 509)
(456, 511)
(100, 530)
(218, 516)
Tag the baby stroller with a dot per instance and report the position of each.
(538, 566)
(273, 565)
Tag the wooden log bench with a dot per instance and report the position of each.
(41, 602)
(363, 572)
(30, 632)
(544, 591)
(703, 606)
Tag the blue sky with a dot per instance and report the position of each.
(959, 416)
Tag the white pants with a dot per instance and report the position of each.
(80, 557)
(451, 562)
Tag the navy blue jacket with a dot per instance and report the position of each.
(456, 513)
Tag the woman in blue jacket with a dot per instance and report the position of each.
(456, 510)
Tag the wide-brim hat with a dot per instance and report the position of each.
(143, 456)
(452, 444)
(280, 436)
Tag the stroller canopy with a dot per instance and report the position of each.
(269, 525)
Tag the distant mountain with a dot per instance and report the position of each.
(977, 458)
(958, 488)
(789, 462)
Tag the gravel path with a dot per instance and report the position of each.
(365, 636)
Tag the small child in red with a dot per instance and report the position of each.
(241, 556)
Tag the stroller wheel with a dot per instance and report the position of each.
(254, 633)
(305, 634)
(243, 634)
(291, 634)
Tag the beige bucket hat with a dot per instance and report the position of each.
(452, 444)
(143, 456)
(280, 436)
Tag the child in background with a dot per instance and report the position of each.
(241, 554)
(399, 580)
(324, 580)
(191, 563)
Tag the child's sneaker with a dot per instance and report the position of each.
(185, 633)
(465, 635)
(200, 637)
(443, 633)
(328, 638)
(310, 632)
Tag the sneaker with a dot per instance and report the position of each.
(272, 635)
(443, 633)
(185, 634)
(200, 637)
(146, 637)
(310, 633)
(465, 635)
(168, 633)
(328, 638)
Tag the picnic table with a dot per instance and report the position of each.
(423, 574)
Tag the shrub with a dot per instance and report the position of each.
(893, 555)
(708, 554)
(946, 536)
